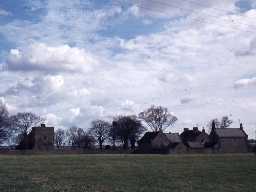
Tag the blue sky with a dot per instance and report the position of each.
(75, 61)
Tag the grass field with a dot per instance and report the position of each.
(181, 173)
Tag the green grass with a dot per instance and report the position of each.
(172, 173)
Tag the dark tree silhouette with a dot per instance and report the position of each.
(158, 118)
(216, 123)
(87, 141)
(113, 134)
(128, 128)
(100, 130)
(59, 137)
(21, 123)
(4, 123)
(225, 122)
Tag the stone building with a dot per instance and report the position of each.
(153, 142)
(220, 140)
(40, 138)
(195, 140)
(159, 142)
(230, 140)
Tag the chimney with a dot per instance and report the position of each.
(195, 128)
(203, 130)
(241, 126)
(213, 125)
(186, 129)
(43, 125)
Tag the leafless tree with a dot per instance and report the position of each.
(225, 122)
(100, 130)
(158, 118)
(59, 137)
(3, 123)
(75, 136)
(21, 123)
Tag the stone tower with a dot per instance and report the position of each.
(41, 138)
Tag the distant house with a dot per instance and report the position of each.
(153, 142)
(40, 138)
(159, 142)
(195, 140)
(230, 140)
(176, 144)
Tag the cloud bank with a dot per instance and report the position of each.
(68, 66)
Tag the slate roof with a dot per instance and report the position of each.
(190, 135)
(230, 132)
(148, 137)
(173, 137)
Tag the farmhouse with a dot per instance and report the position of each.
(230, 140)
(220, 140)
(195, 140)
(159, 142)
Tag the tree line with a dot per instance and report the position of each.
(124, 130)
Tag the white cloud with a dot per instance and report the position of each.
(188, 67)
(245, 82)
(4, 12)
(52, 119)
(40, 56)
(60, 22)
(75, 111)
(56, 82)
(176, 8)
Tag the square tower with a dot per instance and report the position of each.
(42, 138)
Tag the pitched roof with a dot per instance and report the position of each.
(148, 137)
(190, 135)
(173, 137)
(230, 132)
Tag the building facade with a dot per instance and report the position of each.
(40, 138)
(230, 140)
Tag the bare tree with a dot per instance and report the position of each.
(3, 123)
(158, 118)
(225, 122)
(75, 136)
(59, 137)
(100, 130)
(21, 123)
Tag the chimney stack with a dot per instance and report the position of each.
(213, 125)
(186, 129)
(241, 126)
(195, 128)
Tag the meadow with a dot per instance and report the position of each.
(128, 173)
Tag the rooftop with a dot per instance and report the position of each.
(230, 132)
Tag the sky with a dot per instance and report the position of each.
(75, 61)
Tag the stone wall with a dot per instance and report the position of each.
(232, 145)
(42, 138)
